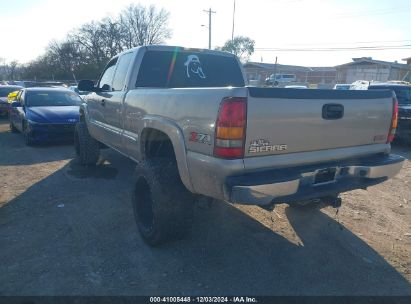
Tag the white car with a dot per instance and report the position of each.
(296, 87)
(276, 79)
(342, 86)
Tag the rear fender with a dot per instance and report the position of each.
(173, 131)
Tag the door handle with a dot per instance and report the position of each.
(103, 102)
(333, 111)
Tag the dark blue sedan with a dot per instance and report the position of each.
(45, 114)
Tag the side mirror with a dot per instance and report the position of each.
(16, 104)
(105, 88)
(86, 85)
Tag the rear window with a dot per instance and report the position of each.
(403, 93)
(182, 69)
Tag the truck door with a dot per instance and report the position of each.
(96, 102)
(113, 105)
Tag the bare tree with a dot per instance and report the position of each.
(2, 68)
(65, 56)
(87, 49)
(144, 26)
(111, 35)
(89, 39)
(11, 69)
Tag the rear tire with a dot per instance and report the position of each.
(163, 207)
(86, 147)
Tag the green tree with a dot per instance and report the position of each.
(242, 47)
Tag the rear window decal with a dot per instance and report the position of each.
(193, 67)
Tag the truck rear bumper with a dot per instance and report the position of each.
(304, 182)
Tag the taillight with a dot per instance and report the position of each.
(230, 128)
(394, 121)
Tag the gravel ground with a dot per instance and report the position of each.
(66, 230)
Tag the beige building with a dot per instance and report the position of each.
(366, 68)
(257, 72)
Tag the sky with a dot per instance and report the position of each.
(297, 32)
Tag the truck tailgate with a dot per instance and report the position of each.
(281, 121)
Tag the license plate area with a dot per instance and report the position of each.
(324, 176)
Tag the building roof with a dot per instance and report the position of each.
(290, 68)
(406, 59)
(373, 61)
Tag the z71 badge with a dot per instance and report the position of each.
(200, 138)
(264, 145)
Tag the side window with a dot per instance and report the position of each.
(121, 72)
(107, 78)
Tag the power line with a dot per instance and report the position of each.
(383, 11)
(356, 42)
(358, 48)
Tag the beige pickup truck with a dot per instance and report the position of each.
(195, 130)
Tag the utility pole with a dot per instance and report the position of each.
(232, 32)
(275, 72)
(209, 26)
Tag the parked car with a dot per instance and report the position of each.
(295, 87)
(12, 96)
(403, 94)
(276, 79)
(360, 85)
(342, 86)
(51, 84)
(75, 89)
(44, 114)
(196, 130)
(4, 92)
(23, 83)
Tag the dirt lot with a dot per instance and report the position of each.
(65, 230)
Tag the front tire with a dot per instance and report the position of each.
(28, 137)
(13, 128)
(86, 147)
(163, 207)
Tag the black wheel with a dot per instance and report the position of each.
(86, 147)
(163, 207)
(13, 128)
(28, 137)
